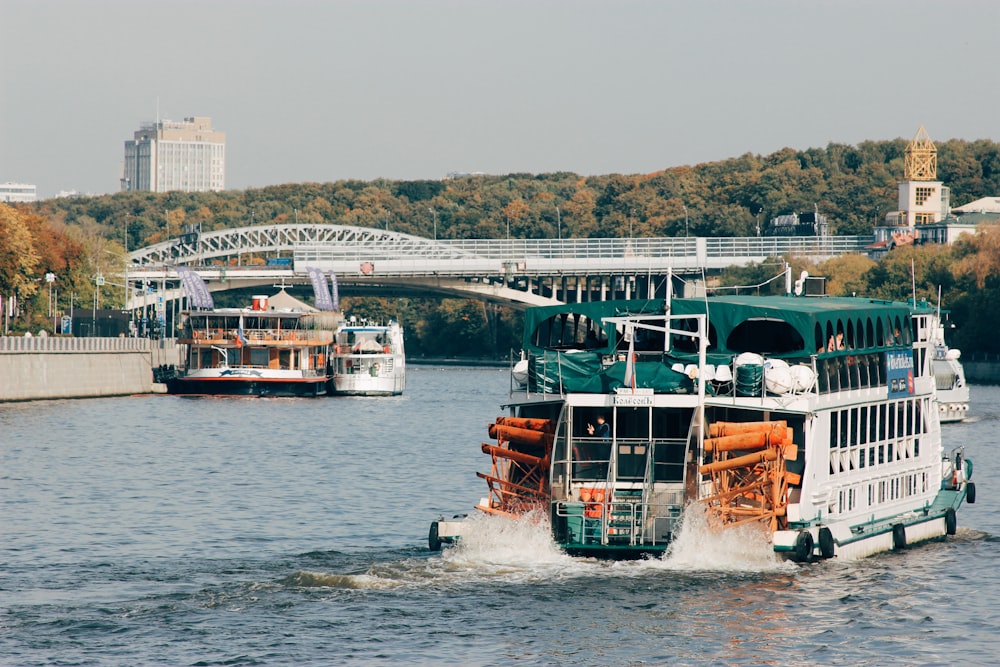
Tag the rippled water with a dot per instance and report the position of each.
(191, 531)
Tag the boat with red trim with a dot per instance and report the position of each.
(256, 351)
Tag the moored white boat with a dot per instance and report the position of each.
(813, 419)
(368, 360)
(953, 394)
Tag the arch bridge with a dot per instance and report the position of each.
(517, 272)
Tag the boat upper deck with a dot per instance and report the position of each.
(806, 344)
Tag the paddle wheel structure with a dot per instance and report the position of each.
(519, 478)
(749, 479)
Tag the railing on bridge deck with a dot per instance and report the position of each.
(515, 249)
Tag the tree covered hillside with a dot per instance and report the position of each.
(854, 186)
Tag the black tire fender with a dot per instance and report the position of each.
(433, 541)
(970, 493)
(804, 546)
(898, 536)
(827, 547)
(950, 521)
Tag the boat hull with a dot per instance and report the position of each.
(349, 385)
(248, 387)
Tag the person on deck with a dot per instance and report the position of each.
(603, 429)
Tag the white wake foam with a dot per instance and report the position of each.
(698, 547)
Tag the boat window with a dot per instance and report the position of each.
(850, 335)
(647, 341)
(869, 333)
(632, 460)
(879, 333)
(820, 345)
(689, 343)
(569, 331)
(591, 458)
(905, 330)
(893, 336)
(765, 336)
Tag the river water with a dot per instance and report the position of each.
(161, 530)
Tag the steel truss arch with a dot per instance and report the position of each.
(197, 248)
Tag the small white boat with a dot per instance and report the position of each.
(952, 389)
(368, 360)
(949, 376)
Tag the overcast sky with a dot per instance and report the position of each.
(413, 89)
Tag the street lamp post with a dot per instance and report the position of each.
(50, 278)
(125, 302)
(685, 220)
(558, 224)
(434, 213)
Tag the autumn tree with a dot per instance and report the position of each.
(19, 258)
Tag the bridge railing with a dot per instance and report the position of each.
(773, 246)
(526, 249)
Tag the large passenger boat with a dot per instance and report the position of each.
(254, 351)
(368, 360)
(812, 418)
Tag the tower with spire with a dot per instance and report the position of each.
(923, 200)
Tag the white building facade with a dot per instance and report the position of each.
(189, 156)
(18, 192)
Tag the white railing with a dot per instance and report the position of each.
(59, 344)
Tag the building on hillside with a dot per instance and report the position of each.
(189, 156)
(986, 205)
(18, 192)
(925, 214)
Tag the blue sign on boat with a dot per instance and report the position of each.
(899, 372)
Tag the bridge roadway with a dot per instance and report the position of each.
(517, 272)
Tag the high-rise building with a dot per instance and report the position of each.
(167, 155)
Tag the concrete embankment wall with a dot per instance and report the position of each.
(981, 368)
(50, 367)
